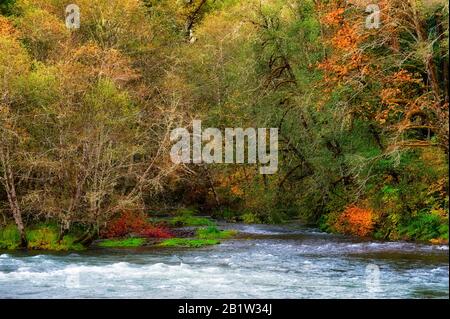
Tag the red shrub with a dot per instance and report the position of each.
(355, 221)
(129, 222)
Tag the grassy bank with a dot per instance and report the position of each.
(188, 243)
(39, 237)
(129, 242)
(125, 230)
(213, 232)
(187, 218)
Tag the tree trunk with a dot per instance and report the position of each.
(211, 186)
(191, 18)
(8, 181)
(430, 65)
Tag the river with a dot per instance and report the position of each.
(289, 261)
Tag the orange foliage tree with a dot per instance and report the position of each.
(355, 221)
(402, 67)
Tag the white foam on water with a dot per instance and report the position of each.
(259, 230)
(260, 268)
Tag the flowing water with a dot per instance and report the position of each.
(265, 262)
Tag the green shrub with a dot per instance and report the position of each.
(443, 231)
(250, 218)
(213, 232)
(40, 237)
(189, 243)
(323, 223)
(186, 218)
(424, 227)
(45, 237)
(9, 237)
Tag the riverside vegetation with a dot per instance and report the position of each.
(86, 116)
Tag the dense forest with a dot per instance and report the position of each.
(359, 97)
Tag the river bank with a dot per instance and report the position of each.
(183, 230)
